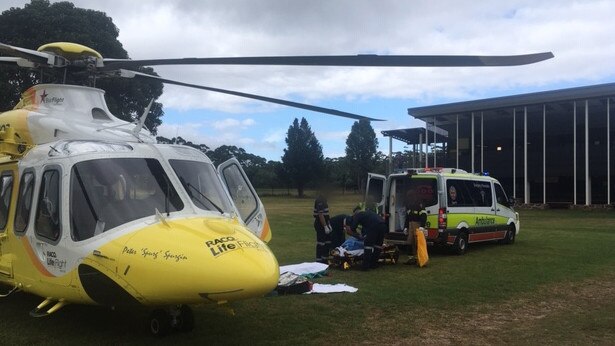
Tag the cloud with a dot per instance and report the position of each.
(579, 33)
(231, 123)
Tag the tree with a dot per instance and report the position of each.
(40, 22)
(361, 150)
(303, 160)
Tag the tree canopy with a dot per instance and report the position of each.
(361, 150)
(303, 159)
(40, 22)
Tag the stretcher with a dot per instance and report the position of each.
(345, 257)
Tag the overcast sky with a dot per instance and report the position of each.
(579, 33)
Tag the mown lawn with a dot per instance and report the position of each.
(556, 284)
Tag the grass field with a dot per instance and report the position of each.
(556, 284)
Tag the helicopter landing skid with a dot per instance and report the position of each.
(39, 311)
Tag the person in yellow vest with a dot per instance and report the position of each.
(416, 218)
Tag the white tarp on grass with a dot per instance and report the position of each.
(311, 269)
(305, 268)
(337, 288)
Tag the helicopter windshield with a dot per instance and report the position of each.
(201, 182)
(106, 193)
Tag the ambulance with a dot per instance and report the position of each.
(462, 208)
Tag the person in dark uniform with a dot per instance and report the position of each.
(416, 218)
(373, 228)
(323, 228)
(338, 229)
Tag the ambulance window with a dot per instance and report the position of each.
(500, 195)
(6, 189)
(458, 194)
(426, 190)
(481, 193)
(47, 221)
(24, 202)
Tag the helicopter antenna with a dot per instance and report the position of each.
(142, 119)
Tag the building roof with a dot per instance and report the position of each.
(521, 100)
(416, 135)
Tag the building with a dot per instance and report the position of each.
(552, 147)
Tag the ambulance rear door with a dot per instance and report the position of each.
(375, 191)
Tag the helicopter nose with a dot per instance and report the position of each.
(197, 260)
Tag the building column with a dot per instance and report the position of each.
(420, 149)
(608, 150)
(457, 141)
(514, 151)
(472, 140)
(390, 154)
(588, 198)
(526, 183)
(544, 154)
(435, 142)
(574, 152)
(482, 146)
(426, 144)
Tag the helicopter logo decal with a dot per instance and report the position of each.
(52, 100)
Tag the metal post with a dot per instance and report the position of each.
(514, 150)
(587, 183)
(457, 141)
(472, 149)
(608, 150)
(544, 154)
(574, 153)
(420, 149)
(390, 154)
(482, 136)
(426, 144)
(413, 155)
(435, 142)
(526, 183)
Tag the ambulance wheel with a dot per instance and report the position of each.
(461, 243)
(185, 320)
(160, 323)
(510, 235)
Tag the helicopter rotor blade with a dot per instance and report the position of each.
(35, 57)
(346, 60)
(134, 74)
(17, 61)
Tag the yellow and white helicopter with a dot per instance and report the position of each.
(94, 211)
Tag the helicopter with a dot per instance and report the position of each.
(94, 211)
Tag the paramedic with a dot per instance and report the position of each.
(338, 229)
(373, 229)
(323, 228)
(452, 196)
(416, 217)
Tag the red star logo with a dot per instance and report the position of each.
(43, 96)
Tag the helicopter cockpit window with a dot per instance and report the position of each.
(47, 220)
(6, 189)
(106, 193)
(24, 202)
(201, 183)
(242, 196)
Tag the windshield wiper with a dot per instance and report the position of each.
(206, 198)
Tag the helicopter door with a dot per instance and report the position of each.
(374, 193)
(249, 206)
(6, 193)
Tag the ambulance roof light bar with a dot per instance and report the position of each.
(413, 171)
